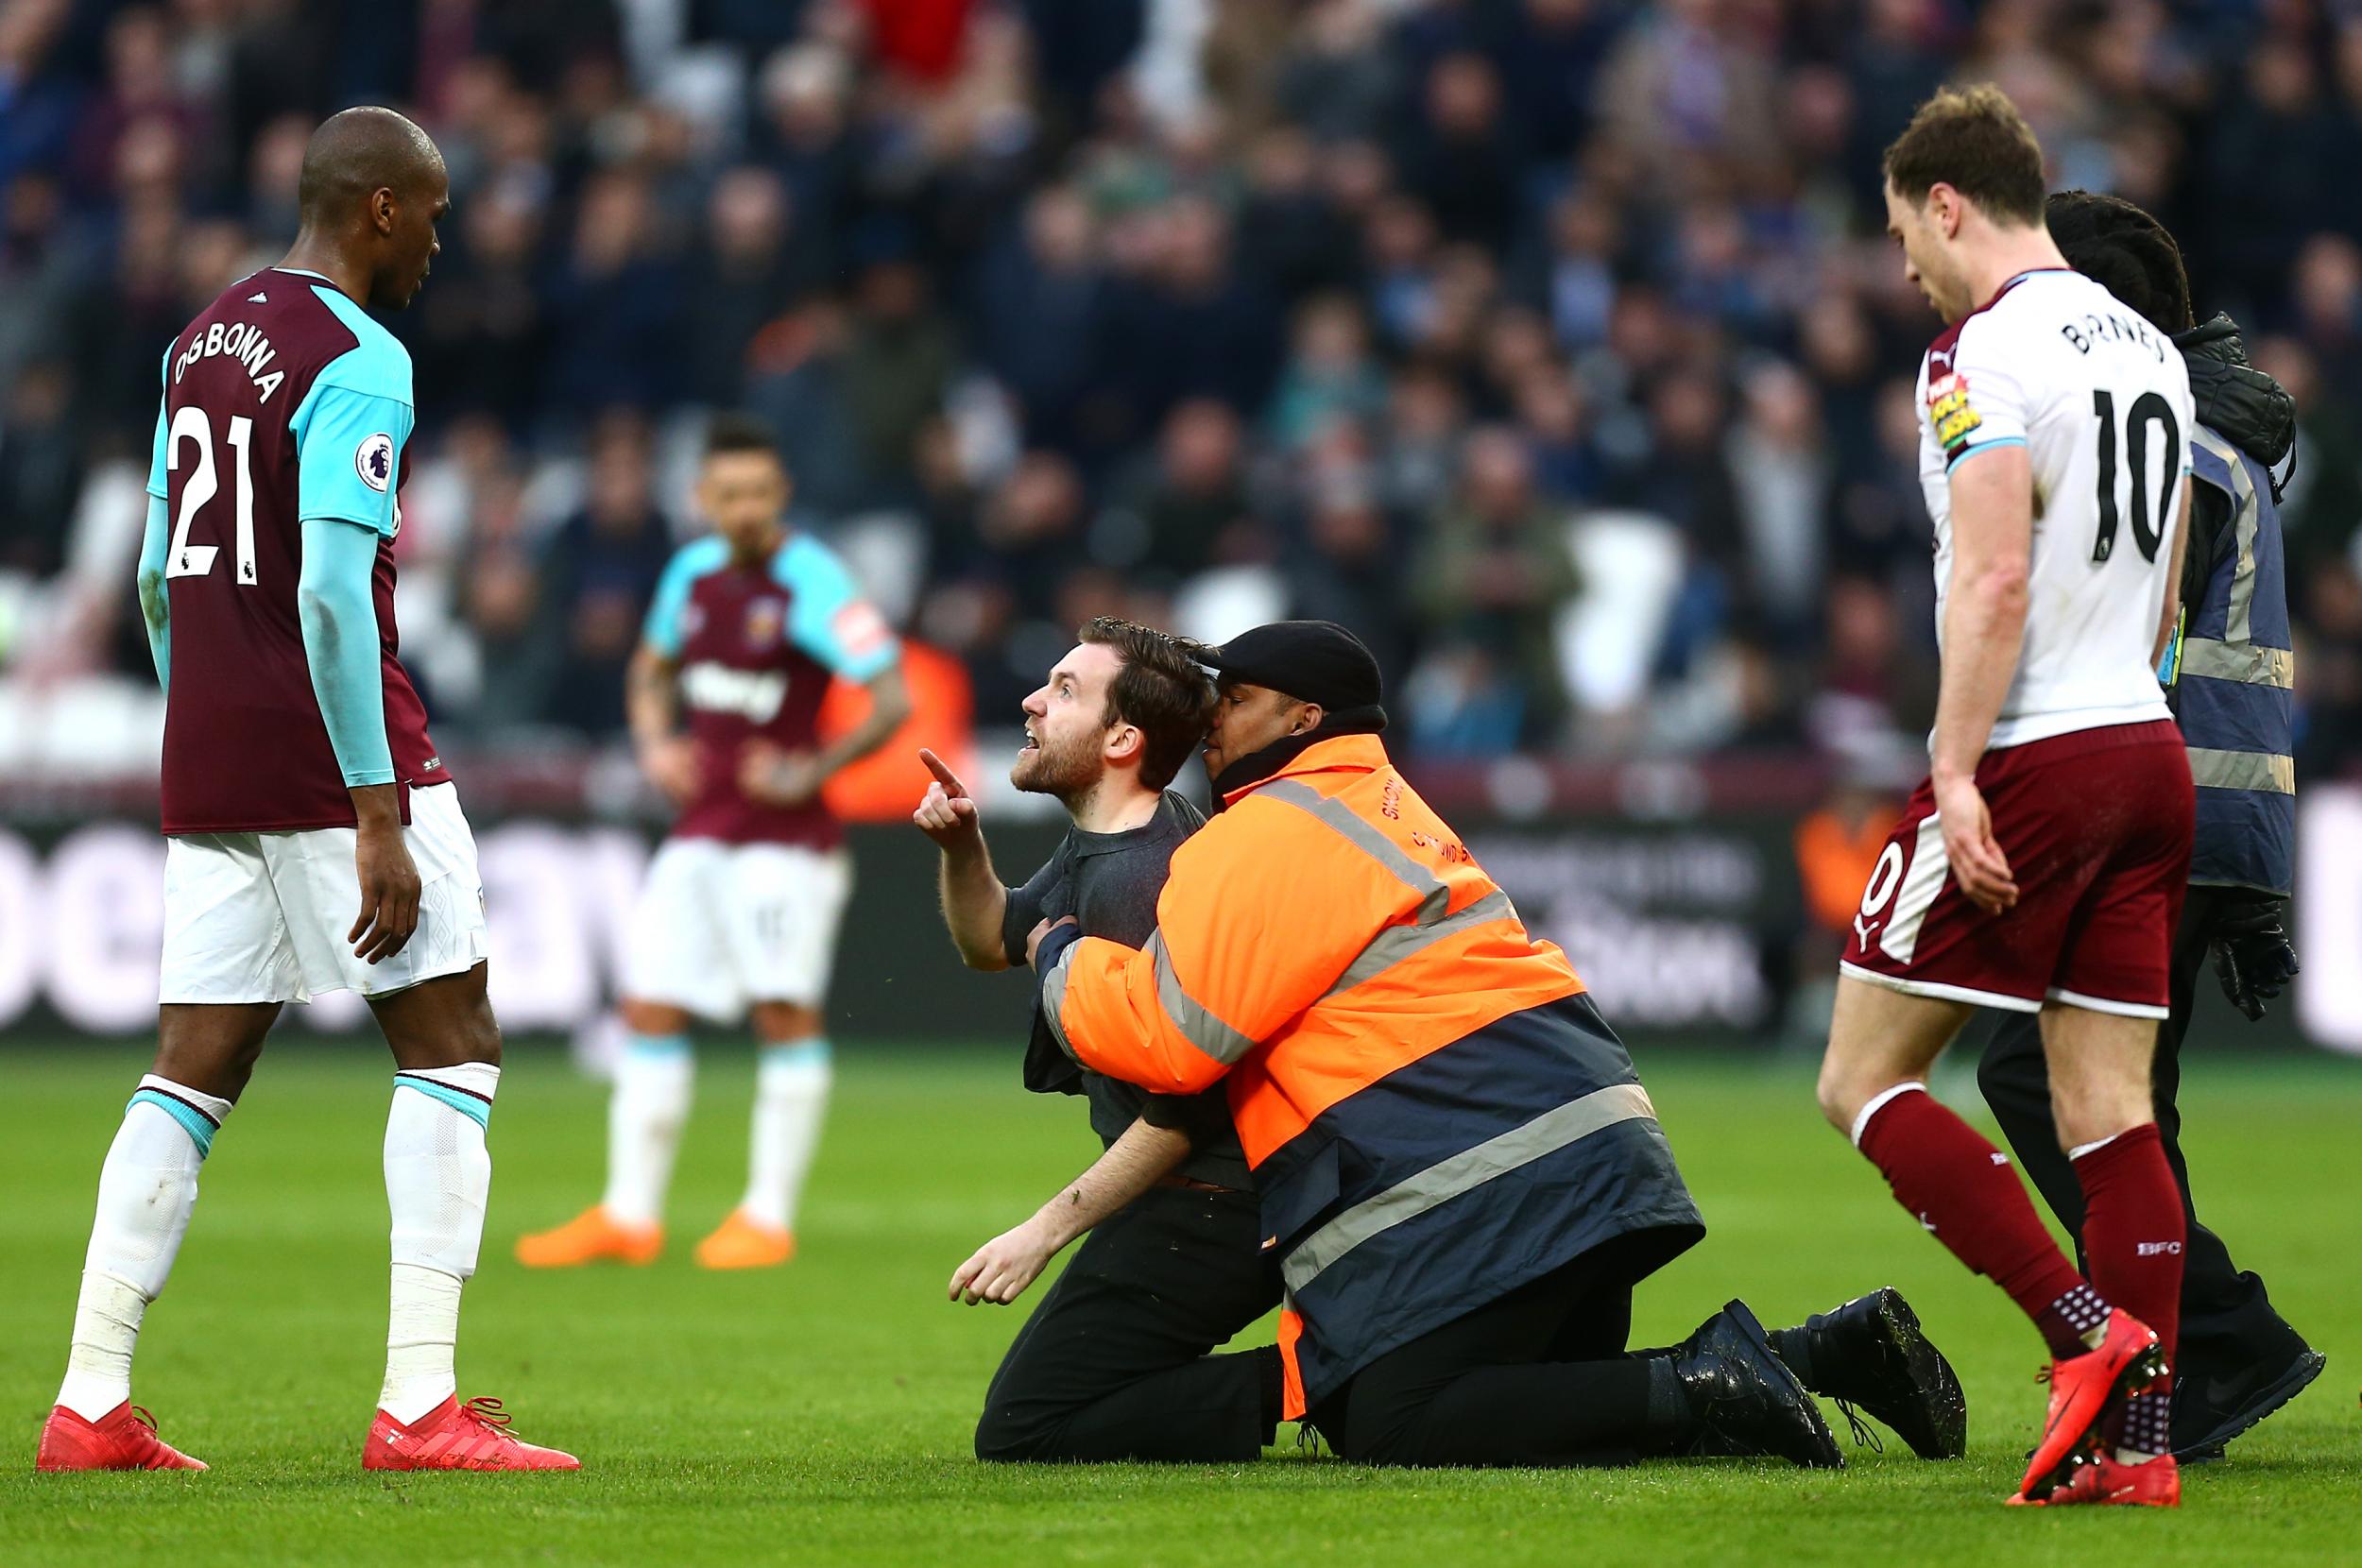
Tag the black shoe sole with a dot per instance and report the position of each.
(1942, 1399)
(1827, 1455)
(2271, 1397)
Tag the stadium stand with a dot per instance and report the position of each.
(1550, 343)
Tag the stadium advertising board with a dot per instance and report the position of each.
(1692, 930)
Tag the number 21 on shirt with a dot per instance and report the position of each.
(190, 425)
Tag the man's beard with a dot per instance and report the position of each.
(1068, 770)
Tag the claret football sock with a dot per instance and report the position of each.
(437, 1176)
(2074, 1321)
(644, 1116)
(1963, 1191)
(146, 1190)
(791, 1097)
(2133, 1233)
(2133, 1226)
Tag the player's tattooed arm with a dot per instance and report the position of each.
(781, 778)
(650, 700)
(889, 709)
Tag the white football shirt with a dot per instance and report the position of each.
(2100, 400)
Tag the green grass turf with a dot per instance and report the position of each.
(821, 1413)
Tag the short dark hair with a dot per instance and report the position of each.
(1974, 140)
(734, 432)
(2125, 250)
(1160, 687)
(355, 152)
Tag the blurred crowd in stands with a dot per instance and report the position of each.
(1552, 345)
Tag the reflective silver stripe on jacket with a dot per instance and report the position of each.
(1431, 923)
(2245, 663)
(1053, 997)
(1196, 1021)
(1448, 1179)
(1396, 943)
(2239, 626)
(2243, 770)
(1433, 896)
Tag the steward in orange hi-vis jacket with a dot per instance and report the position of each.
(1455, 1158)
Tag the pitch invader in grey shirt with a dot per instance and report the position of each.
(1116, 1362)
(1108, 884)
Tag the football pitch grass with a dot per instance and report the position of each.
(821, 1413)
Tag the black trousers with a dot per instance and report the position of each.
(2227, 1320)
(1115, 1362)
(1538, 1377)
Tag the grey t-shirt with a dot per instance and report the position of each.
(1109, 883)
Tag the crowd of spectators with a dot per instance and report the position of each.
(1553, 344)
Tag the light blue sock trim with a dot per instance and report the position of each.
(813, 1052)
(192, 1121)
(658, 1044)
(474, 1108)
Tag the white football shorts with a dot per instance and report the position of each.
(719, 926)
(263, 917)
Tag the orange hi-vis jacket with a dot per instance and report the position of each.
(1434, 1111)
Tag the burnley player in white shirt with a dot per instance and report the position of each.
(2041, 867)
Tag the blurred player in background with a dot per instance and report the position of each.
(2041, 867)
(739, 915)
(1116, 1363)
(299, 787)
(2232, 672)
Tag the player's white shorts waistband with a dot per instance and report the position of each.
(721, 925)
(263, 917)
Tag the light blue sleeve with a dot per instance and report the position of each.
(352, 427)
(827, 618)
(348, 456)
(335, 601)
(663, 630)
(155, 599)
(160, 459)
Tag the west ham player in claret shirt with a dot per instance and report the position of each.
(2041, 868)
(316, 841)
(739, 915)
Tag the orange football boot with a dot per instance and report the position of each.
(2103, 1481)
(590, 1237)
(123, 1439)
(453, 1436)
(2080, 1387)
(746, 1242)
